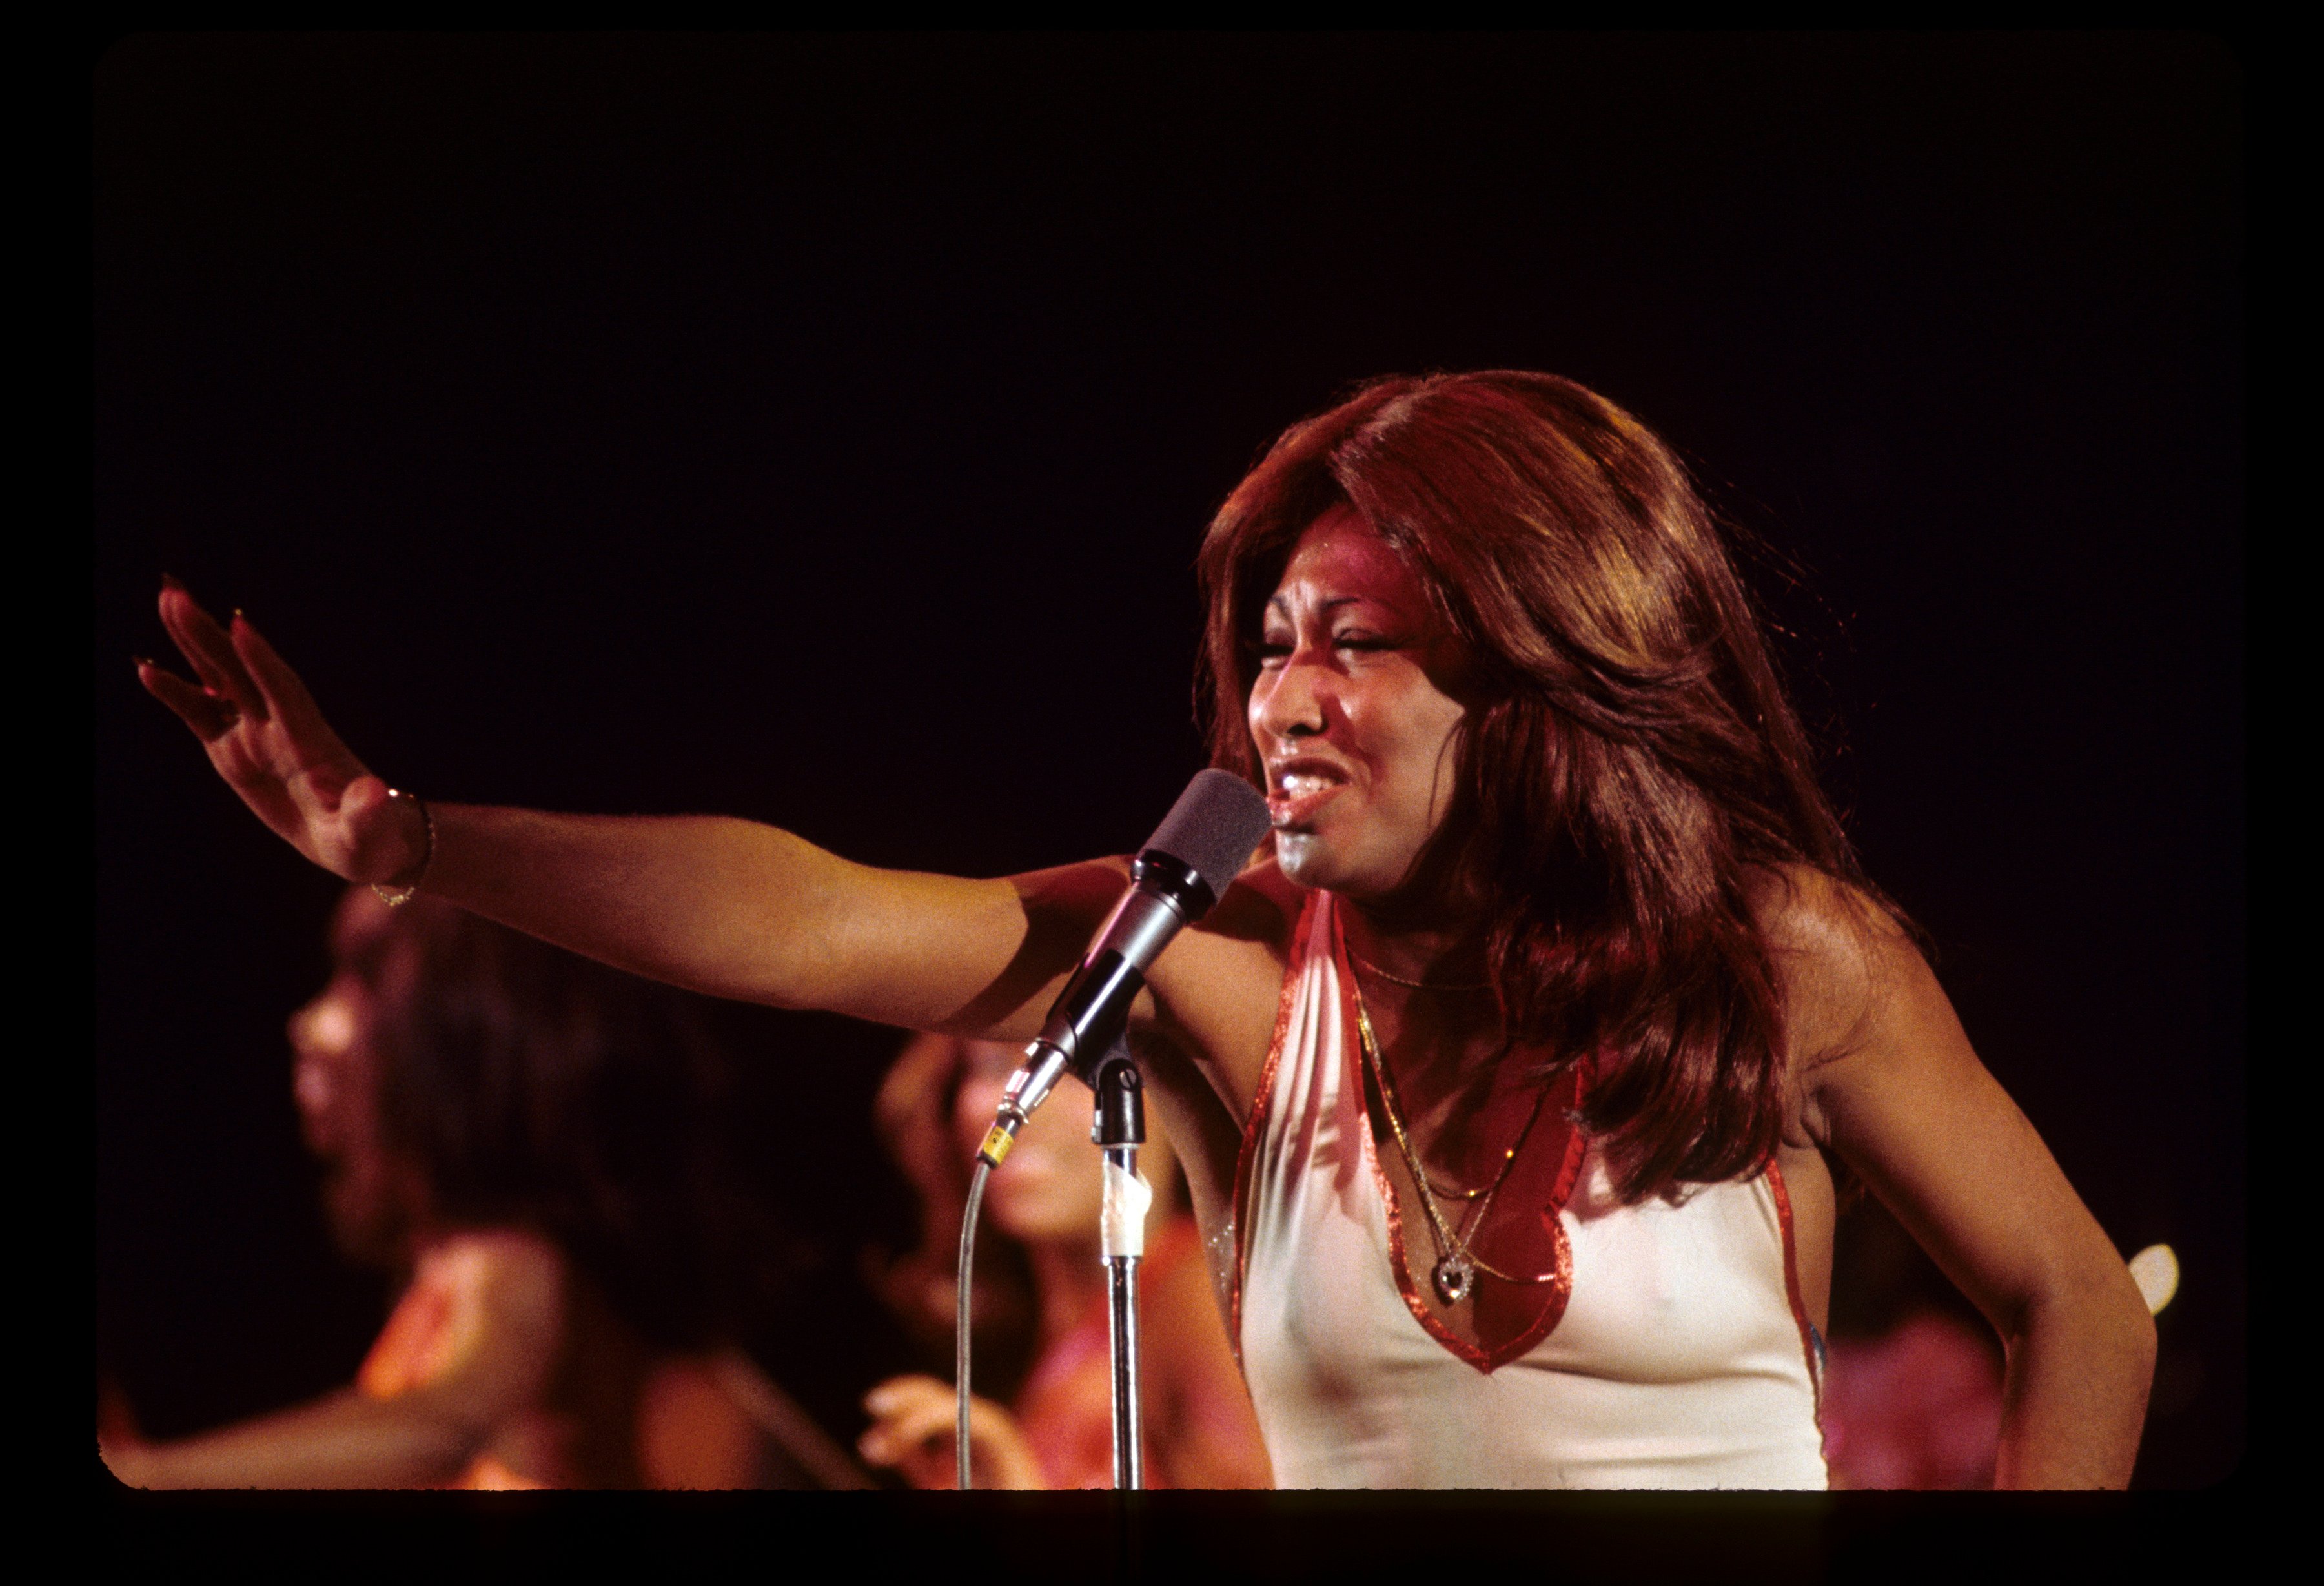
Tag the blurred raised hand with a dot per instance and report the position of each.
(264, 736)
(914, 1425)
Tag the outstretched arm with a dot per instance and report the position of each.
(721, 905)
(1895, 1090)
(502, 1298)
(344, 1440)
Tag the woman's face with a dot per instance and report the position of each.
(1350, 711)
(367, 1193)
(1053, 1185)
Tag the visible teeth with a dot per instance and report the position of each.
(1300, 784)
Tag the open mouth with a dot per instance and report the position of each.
(1296, 794)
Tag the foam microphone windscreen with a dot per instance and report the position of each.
(1213, 828)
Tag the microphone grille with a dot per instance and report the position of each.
(1214, 827)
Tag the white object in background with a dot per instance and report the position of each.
(2155, 1270)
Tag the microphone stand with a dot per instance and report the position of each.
(1198, 850)
(1118, 1131)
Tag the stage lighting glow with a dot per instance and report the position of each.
(2155, 1270)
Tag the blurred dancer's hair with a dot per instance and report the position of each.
(533, 1087)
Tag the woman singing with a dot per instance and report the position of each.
(1512, 1083)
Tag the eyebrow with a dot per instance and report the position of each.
(1273, 601)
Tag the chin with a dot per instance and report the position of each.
(1312, 861)
(1297, 855)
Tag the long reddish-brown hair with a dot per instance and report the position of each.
(1631, 767)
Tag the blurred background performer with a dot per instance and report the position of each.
(1042, 1340)
(1912, 1397)
(531, 1140)
(1512, 1087)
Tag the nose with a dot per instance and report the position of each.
(323, 1027)
(1293, 700)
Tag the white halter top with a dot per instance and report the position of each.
(1683, 1357)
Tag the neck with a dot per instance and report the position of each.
(1414, 949)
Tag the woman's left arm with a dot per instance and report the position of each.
(1889, 1083)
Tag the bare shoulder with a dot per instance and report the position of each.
(1842, 962)
(1217, 987)
(515, 1256)
(508, 1277)
(482, 1324)
(1874, 1047)
(1238, 950)
(1262, 906)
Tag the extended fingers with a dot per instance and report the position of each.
(923, 1422)
(207, 648)
(287, 699)
(896, 1392)
(208, 714)
(909, 1411)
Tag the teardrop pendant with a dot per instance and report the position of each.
(1452, 1276)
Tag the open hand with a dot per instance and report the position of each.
(271, 744)
(914, 1433)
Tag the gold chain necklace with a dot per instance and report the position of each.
(1457, 1267)
(1380, 974)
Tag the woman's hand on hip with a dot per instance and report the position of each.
(272, 745)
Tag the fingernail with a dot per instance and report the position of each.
(238, 616)
(170, 582)
(141, 661)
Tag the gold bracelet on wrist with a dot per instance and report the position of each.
(393, 893)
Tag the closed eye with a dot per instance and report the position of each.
(1274, 652)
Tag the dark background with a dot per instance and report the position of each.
(820, 430)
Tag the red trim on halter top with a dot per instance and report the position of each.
(1792, 1284)
(1255, 1126)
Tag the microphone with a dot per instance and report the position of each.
(1199, 848)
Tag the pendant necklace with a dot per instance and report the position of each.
(1455, 1272)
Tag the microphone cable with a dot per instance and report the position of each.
(1185, 868)
(960, 1353)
